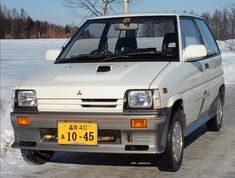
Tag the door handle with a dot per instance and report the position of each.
(207, 66)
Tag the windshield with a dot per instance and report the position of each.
(124, 39)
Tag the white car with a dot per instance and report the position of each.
(136, 84)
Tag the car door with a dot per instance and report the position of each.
(213, 58)
(197, 74)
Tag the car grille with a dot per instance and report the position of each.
(96, 103)
(81, 105)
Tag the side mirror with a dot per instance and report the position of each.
(52, 54)
(192, 52)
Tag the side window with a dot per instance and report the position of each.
(207, 37)
(189, 32)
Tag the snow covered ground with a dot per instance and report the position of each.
(228, 45)
(229, 67)
(22, 58)
(19, 59)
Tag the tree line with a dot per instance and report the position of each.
(222, 22)
(19, 25)
(16, 25)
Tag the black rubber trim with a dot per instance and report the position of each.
(158, 112)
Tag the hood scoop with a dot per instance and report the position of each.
(103, 69)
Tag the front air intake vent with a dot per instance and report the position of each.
(99, 103)
(98, 106)
(136, 147)
(103, 69)
(99, 100)
(27, 143)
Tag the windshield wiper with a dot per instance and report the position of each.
(140, 54)
(73, 59)
(105, 57)
(114, 58)
(81, 58)
(152, 53)
(128, 55)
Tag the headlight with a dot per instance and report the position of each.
(140, 99)
(26, 98)
(146, 99)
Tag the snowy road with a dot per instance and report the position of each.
(207, 154)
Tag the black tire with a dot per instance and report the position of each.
(167, 160)
(215, 123)
(36, 157)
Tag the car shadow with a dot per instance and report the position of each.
(118, 159)
(105, 159)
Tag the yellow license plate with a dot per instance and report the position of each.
(77, 133)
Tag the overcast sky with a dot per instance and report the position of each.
(54, 11)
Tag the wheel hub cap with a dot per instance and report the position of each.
(177, 141)
(219, 113)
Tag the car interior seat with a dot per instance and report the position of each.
(126, 45)
(169, 42)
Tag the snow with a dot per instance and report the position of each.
(229, 67)
(22, 58)
(227, 49)
(228, 45)
(19, 59)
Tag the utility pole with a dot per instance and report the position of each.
(126, 6)
(105, 7)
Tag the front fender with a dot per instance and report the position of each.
(173, 99)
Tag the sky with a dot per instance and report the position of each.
(55, 12)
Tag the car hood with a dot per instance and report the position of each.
(81, 80)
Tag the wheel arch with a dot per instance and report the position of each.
(166, 160)
(179, 104)
(173, 104)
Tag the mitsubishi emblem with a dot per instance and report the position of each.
(79, 92)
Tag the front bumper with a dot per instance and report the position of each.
(148, 140)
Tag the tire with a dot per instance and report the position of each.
(215, 123)
(171, 159)
(36, 157)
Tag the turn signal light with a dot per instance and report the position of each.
(138, 123)
(23, 121)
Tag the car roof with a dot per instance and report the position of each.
(143, 15)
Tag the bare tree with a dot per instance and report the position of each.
(93, 7)
(231, 8)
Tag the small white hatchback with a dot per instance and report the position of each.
(135, 84)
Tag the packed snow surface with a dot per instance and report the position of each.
(22, 58)
(19, 60)
(228, 45)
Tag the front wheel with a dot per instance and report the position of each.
(36, 157)
(171, 159)
(216, 122)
